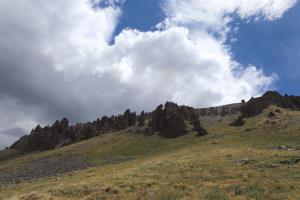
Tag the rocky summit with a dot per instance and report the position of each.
(255, 106)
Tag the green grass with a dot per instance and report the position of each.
(130, 166)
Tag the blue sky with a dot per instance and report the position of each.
(273, 46)
(142, 15)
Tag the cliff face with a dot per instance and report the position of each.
(220, 110)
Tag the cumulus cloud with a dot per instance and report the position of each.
(215, 15)
(42, 45)
(56, 59)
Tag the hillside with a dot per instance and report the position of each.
(254, 161)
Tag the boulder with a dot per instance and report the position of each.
(238, 122)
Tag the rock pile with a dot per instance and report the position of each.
(43, 167)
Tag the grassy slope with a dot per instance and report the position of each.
(140, 167)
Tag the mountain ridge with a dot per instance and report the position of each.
(61, 134)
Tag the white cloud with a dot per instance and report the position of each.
(56, 59)
(43, 46)
(214, 15)
(169, 65)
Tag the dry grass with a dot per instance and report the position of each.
(185, 168)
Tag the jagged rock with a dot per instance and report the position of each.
(172, 122)
(196, 125)
(157, 118)
(168, 121)
(106, 124)
(186, 112)
(21, 143)
(121, 122)
(45, 138)
(255, 106)
(130, 117)
(142, 119)
(61, 134)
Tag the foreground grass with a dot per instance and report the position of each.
(130, 166)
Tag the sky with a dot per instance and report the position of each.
(83, 59)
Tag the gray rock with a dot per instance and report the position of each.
(292, 161)
(243, 162)
(282, 147)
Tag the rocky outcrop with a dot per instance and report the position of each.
(169, 120)
(142, 119)
(61, 134)
(197, 125)
(45, 138)
(255, 106)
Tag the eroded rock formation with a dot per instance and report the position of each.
(255, 106)
(169, 120)
(61, 134)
